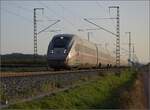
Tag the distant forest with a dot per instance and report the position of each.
(21, 59)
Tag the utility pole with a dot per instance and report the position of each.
(35, 31)
(88, 36)
(133, 53)
(89, 33)
(117, 35)
(129, 60)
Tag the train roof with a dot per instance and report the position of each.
(74, 36)
(64, 35)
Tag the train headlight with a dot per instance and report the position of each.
(65, 51)
(51, 51)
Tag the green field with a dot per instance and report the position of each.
(99, 94)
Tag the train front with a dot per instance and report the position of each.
(58, 50)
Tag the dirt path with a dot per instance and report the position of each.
(146, 81)
(138, 96)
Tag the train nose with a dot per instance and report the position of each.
(57, 53)
(57, 57)
(57, 63)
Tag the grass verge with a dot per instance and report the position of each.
(100, 94)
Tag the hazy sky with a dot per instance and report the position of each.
(17, 24)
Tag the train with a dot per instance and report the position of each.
(70, 51)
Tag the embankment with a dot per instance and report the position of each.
(102, 93)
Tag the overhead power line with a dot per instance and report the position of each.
(55, 13)
(20, 7)
(48, 27)
(125, 50)
(101, 6)
(70, 12)
(99, 27)
(117, 34)
(30, 11)
(99, 18)
(18, 15)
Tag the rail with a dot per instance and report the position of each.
(18, 74)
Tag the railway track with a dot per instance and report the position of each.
(18, 74)
(24, 69)
(15, 82)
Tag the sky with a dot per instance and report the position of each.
(16, 23)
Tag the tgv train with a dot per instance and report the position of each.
(70, 51)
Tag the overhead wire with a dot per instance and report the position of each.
(98, 25)
(100, 5)
(18, 15)
(125, 51)
(27, 10)
(77, 16)
(31, 11)
(20, 7)
(71, 12)
(112, 21)
(50, 9)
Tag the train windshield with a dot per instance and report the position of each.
(61, 42)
